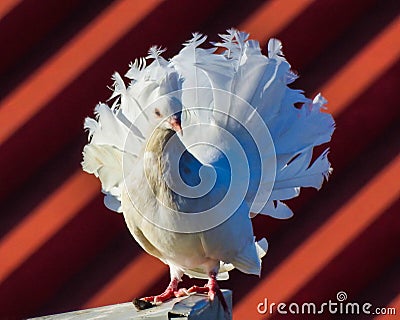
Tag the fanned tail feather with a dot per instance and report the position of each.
(105, 162)
(242, 71)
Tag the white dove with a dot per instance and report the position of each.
(196, 146)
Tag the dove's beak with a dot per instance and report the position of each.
(175, 122)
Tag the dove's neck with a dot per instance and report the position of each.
(155, 161)
(157, 140)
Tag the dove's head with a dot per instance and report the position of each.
(168, 112)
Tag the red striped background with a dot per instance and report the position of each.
(60, 249)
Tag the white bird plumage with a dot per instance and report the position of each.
(206, 95)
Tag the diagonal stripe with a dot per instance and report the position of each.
(33, 94)
(45, 221)
(6, 6)
(143, 272)
(361, 71)
(272, 17)
(324, 244)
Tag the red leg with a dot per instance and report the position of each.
(171, 292)
(212, 289)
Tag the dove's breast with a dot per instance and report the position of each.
(183, 249)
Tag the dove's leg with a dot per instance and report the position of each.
(212, 289)
(172, 290)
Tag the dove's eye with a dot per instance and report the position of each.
(157, 112)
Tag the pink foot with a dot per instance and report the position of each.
(212, 289)
(171, 292)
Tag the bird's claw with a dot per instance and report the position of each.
(183, 292)
(166, 295)
(197, 289)
(212, 289)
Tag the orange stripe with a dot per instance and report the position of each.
(143, 272)
(45, 221)
(361, 71)
(6, 6)
(325, 243)
(272, 17)
(33, 94)
(395, 303)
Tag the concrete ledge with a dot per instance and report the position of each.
(194, 307)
